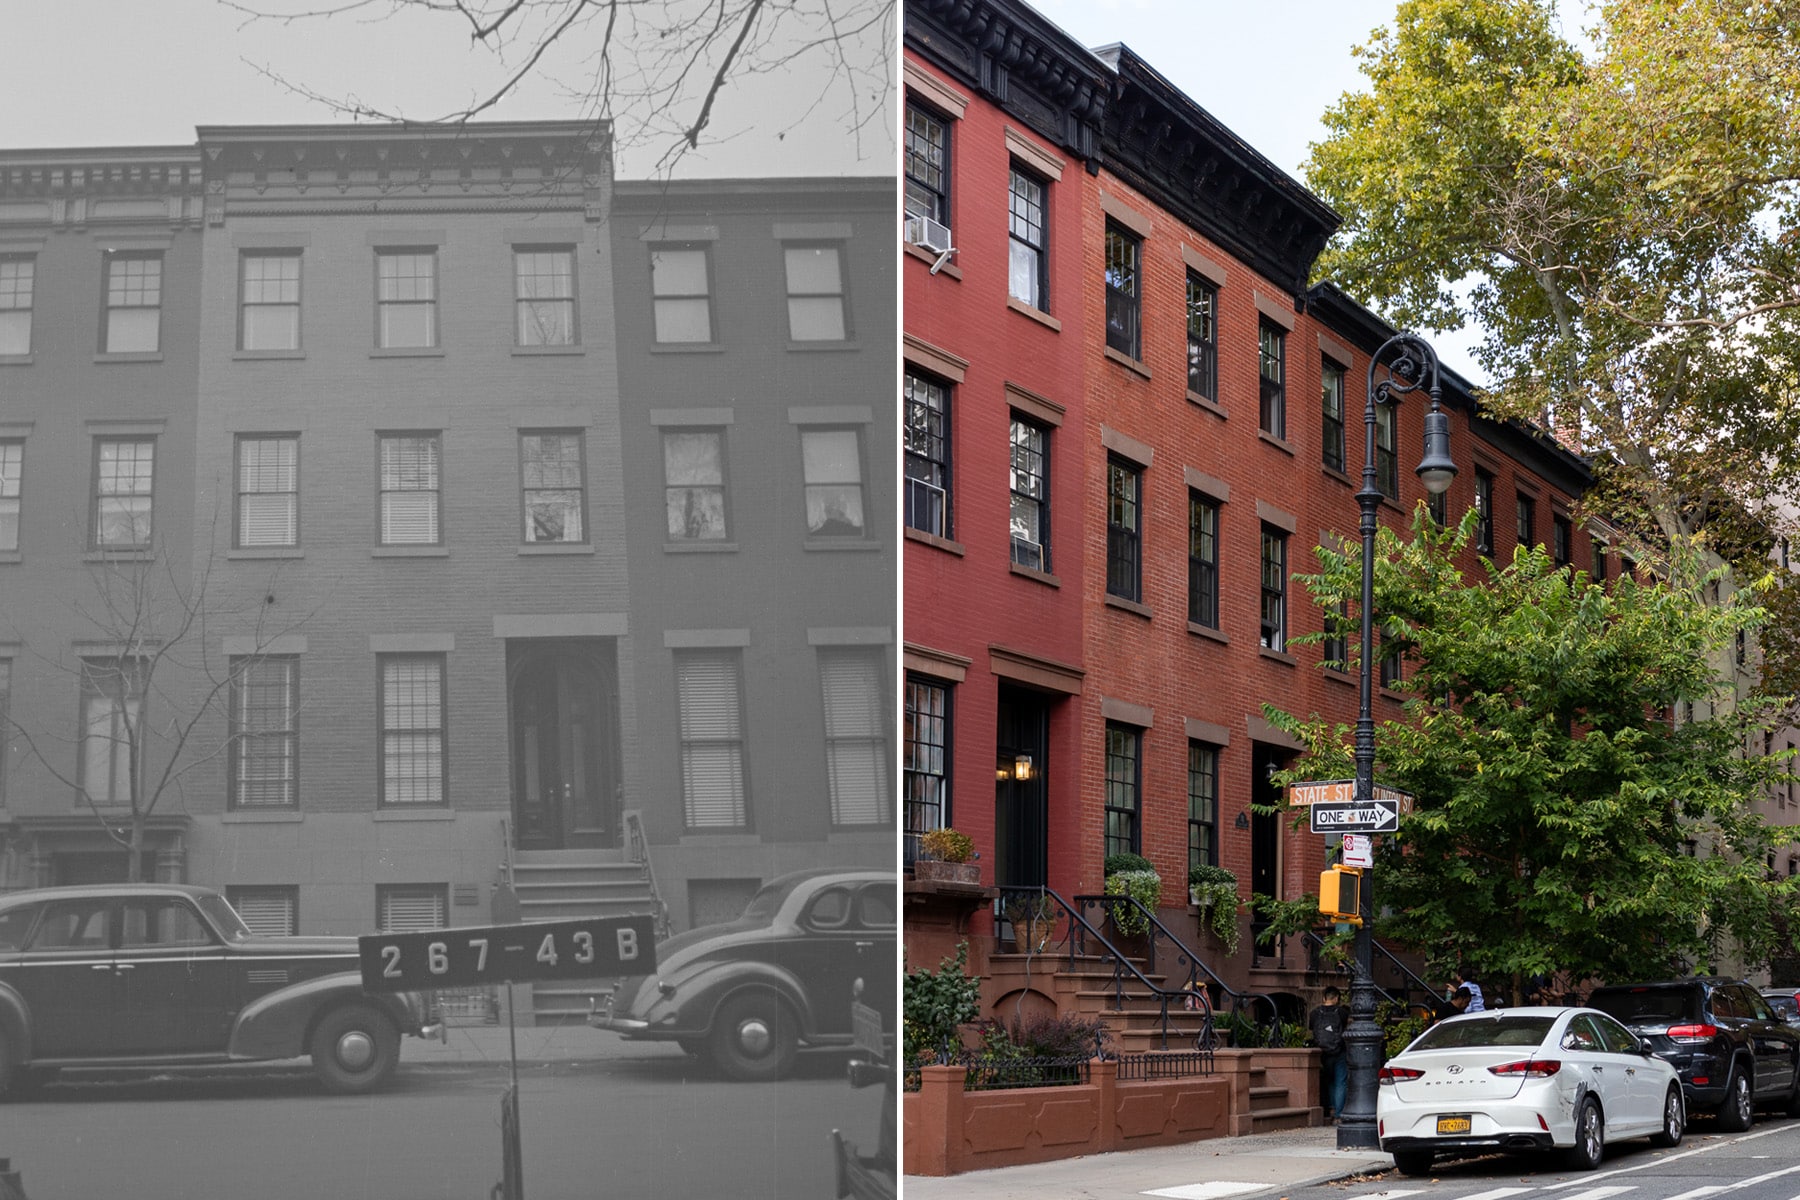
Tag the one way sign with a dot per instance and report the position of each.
(1377, 816)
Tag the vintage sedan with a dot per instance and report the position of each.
(747, 994)
(155, 974)
(1570, 1079)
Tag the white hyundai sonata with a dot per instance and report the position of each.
(1569, 1079)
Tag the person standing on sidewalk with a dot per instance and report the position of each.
(1328, 1034)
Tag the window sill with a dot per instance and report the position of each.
(687, 348)
(1129, 363)
(409, 552)
(1130, 606)
(420, 814)
(820, 347)
(132, 356)
(255, 355)
(553, 548)
(932, 539)
(1278, 656)
(722, 839)
(1340, 677)
(266, 552)
(700, 547)
(1209, 633)
(813, 543)
(1388, 693)
(1034, 313)
(1211, 406)
(407, 352)
(547, 351)
(16, 360)
(1391, 504)
(949, 269)
(1336, 475)
(1032, 573)
(287, 816)
(120, 554)
(1281, 444)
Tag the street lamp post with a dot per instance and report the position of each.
(1412, 366)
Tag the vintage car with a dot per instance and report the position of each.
(155, 974)
(747, 994)
(869, 1176)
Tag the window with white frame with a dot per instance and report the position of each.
(927, 465)
(12, 468)
(410, 493)
(265, 737)
(815, 294)
(270, 289)
(133, 303)
(544, 296)
(709, 694)
(124, 478)
(406, 299)
(268, 491)
(681, 297)
(694, 484)
(413, 770)
(112, 696)
(856, 745)
(267, 910)
(925, 775)
(553, 487)
(831, 470)
(411, 907)
(17, 279)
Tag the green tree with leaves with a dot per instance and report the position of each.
(1561, 820)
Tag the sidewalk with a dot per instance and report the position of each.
(1209, 1170)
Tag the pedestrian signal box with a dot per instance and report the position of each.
(1340, 894)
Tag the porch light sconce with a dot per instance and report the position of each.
(1243, 820)
(1019, 769)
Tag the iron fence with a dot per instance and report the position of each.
(1164, 1064)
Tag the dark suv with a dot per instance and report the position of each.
(1733, 1053)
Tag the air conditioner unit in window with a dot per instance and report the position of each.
(928, 234)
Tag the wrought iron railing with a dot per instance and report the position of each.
(1164, 1064)
(1405, 990)
(639, 847)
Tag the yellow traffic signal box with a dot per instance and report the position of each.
(1340, 894)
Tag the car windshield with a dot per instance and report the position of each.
(1643, 1004)
(223, 916)
(1499, 1031)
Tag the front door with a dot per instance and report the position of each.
(563, 702)
(1021, 793)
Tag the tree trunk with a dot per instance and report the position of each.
(134, 863)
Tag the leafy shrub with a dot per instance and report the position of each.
(946, 845)
(1063, 1035)
(1126, 861)
(1143, 886)
(936, 1002)
(1215, 890)
(1202, 874)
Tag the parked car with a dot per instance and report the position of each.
(157, 974)
(1785, 1001)
(1569, 1079)
(869, 1176)
(1734, 1054)
(748, 993)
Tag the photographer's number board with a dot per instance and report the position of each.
(593, 948)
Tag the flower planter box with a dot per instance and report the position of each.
(947, 872)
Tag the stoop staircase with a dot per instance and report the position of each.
(556, 885)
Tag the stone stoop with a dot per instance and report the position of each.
(556, 885)
(1272, 1108)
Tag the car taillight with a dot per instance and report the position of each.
(1693, 1033)
(1396, 1074)
(1529, 1068)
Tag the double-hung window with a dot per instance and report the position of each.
(17, 279)
(815, 294)
(268, 491)
(544, 296)
(412, 734)
(133, 303)
(410, 493)
(268, 910)
(1272, 367)
(927, 165)
(411, 907)
(1392, 657)
(925, 766)
(1202, 337)
(1203, 804)
(1484, 508)
(1028, 262)
(856, 744)
(12, 468)
(1124, 568)
(681, 294)
(709, 695)
(694, 484)
(1334, 652)
(1597, 550)
(1331, 405)
(831, 471)
(269, 287)
(553, 487)
(1124, 780)
(1387, 463)
(406, 299)
(264, 757)
(1203, 560)
(927, 455)
(1122, 299)
(1030, 476)
(1563, 535)
(1274, 589)
(1527, 513)
(124, 489)
(112, 697)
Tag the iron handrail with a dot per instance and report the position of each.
(1413, 980)
(639, 848)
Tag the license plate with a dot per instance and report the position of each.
(1449, 1125)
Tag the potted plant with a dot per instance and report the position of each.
(1033, 919)
(1132, 875)
(946, 856)
(1214, 891)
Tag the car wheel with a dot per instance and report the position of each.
(1736, 1112)
(1413, 1162)
(753, 1037)
(354, 1049)
(1674, 1121)
(1590, 1137)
